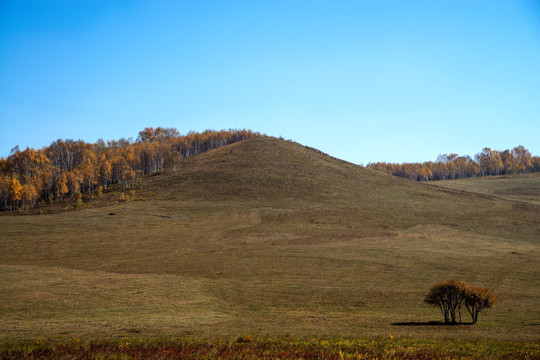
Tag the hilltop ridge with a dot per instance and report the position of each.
(267, 168)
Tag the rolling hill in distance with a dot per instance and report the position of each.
(268, 237)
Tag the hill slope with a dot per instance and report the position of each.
(523, 188)
(268, 237)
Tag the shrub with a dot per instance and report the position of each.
(477, 299)
(450, 295)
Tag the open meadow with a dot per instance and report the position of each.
(268, 238)
(525, 187)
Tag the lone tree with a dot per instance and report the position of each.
(450, 295)
(477, 299)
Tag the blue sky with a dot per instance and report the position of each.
(365, 81)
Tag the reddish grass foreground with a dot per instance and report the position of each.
(271, 348)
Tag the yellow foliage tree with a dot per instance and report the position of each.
(477, 299)
(61, 186)
(29, 195)
(15, 192)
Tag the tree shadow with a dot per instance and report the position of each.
(429, 323)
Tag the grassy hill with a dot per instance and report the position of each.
(269, 237)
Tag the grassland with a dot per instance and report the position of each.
(524, 188)
(268, 238)
(284, 347)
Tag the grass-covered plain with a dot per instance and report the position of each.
(268, 238)
(524, 187)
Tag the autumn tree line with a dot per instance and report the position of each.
(450, 167)
(69, 168)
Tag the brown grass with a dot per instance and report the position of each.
(523, 188)
(269, 237)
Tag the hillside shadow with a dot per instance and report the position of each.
(428, 323)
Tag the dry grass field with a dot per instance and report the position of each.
(267, 238)
(525, 188)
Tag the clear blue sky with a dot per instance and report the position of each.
(397, 81)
